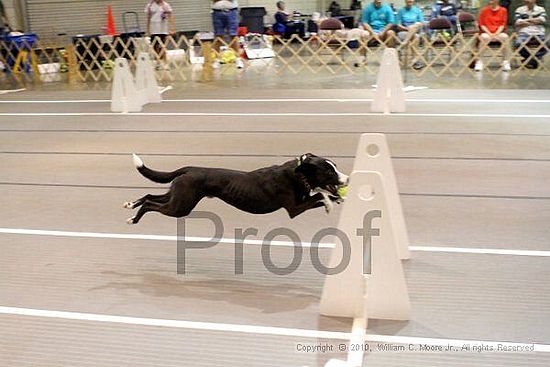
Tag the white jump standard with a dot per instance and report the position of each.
(373, 283)
(129, 94)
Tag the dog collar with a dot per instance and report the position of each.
(302, 178)
(305, 184)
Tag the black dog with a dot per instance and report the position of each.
(298, 185)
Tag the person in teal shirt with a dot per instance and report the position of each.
(410, 20)
(378, 19)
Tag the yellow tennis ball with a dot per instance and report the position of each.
(342, 191)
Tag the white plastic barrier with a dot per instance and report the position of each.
(146, 82)
(373, 154)
(382, 292)
(373, 283)
(129, 95)
(124, 94)
(373, 197)
(389, 96)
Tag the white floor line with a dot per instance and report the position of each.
(358, 330)
(6, 91)
(487, 251)
(280, 114)
(262, 330)
(196, 325)
(124, 236)
(277, 100)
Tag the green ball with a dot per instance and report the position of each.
(342, 191)
(108, 64)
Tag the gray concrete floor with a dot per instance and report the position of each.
(466, 181)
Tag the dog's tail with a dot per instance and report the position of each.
(156, 176)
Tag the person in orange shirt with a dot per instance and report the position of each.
(492, 27)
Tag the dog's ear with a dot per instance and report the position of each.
(304, 158)
(305, 165)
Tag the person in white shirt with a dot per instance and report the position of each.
(160, 23)
(530, 22)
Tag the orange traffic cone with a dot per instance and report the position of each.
(111, 29)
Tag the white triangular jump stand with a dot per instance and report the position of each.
(373, 154)
(373, 284)
(146, 81)
(124, 95)
(389, 96)
(382, 294)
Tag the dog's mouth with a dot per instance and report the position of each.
(333, 189)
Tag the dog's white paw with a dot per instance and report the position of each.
(327, 202)
(128, 205)
(328, 205)
(131, 220)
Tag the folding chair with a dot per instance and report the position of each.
(440, 32)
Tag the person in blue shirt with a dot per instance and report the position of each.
(379, 20)
(284, 23)
(446, 9)
(410, 21)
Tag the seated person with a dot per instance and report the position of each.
(530, 20)
(410, 20)
(378, 19)
(355, 5)
(284, 23)
(4, 24)
(334, 9)
(446, 9)
(492, 27)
